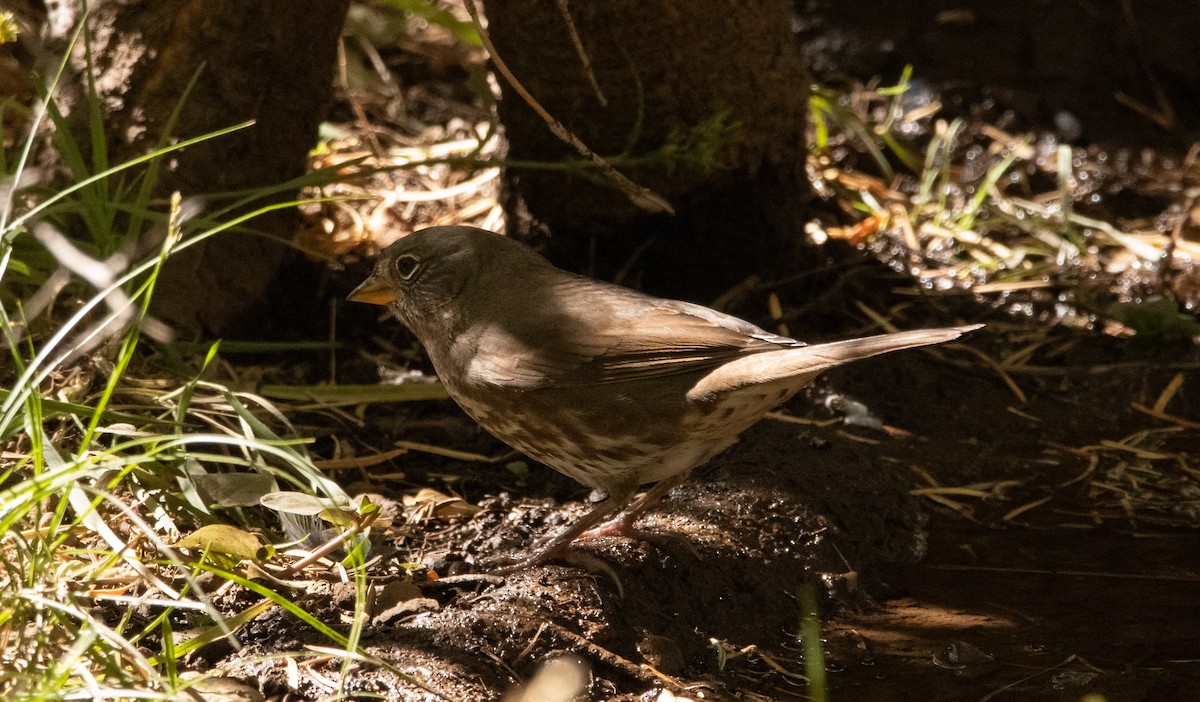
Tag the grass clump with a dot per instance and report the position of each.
(129, 500)
(1023, 221)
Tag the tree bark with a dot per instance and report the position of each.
(269, 61)
(668, 72)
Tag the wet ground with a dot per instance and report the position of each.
(973, 547)
(1030, 613)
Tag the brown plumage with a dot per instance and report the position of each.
(608, 385)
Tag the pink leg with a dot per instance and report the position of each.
(557, 546)
(622, 525)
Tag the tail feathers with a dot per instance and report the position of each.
(839, 352)
(800, 365)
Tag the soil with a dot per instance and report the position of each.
(972, 535)
(1092, 589)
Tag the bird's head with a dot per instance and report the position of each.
(419, 276)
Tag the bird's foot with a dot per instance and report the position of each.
(619, 527)
(622, 527)
(566, 555)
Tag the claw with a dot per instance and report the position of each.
(567, 556)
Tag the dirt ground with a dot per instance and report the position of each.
(951, 594)
(970, 532)
(1029, 537)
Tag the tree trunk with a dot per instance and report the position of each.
(269, 61)
(718, 78)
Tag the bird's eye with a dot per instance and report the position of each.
(406, 266)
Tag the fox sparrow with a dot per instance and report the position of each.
(610, 386)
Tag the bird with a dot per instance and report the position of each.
(611, 386)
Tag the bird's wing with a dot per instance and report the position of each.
(610, 335)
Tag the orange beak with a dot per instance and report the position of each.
(373, 292)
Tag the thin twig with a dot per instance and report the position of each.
(639, 195)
